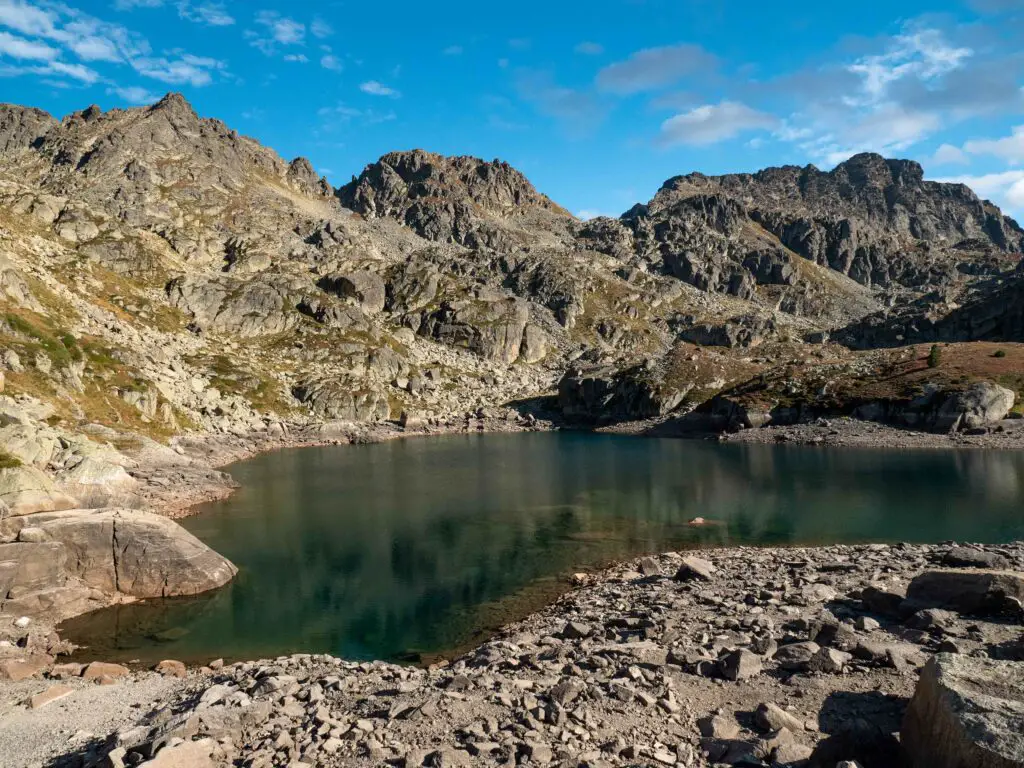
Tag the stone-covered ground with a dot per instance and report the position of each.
(732, 656)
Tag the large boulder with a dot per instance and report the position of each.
(978, 405)
(966, 713)
(974, 592)
(114, 551)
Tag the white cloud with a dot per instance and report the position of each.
(19, 48)
(654, 68)
(299, 58)
(375, 88)
(134, 94)
(89, 39)
(93, 48)
(279, 30)
(923, 54)
(1009, 148)
(588, 48)
(452, 50)
(947, 154)
(330, 61)
(712, 123)
(78, 72)
(27, 19)
(885, 129)
(127, 5)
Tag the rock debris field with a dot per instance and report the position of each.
(870, 655)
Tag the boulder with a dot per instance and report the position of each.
(966, 713)
(365, 288)
(695, 568)
(115, 551)
(492, 329)
(968, 557)
(974, 592)
(977, 406)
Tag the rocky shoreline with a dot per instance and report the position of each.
(733, 656)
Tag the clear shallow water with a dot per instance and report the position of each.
(423, 545)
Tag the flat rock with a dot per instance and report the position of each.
(50, 695)
(966, 712)
(695, 568)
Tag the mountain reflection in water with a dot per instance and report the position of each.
(422, 545)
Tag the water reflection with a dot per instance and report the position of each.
(414, 546)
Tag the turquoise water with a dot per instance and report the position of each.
(420, 546)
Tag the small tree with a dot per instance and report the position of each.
(934, 356)
(999, 353)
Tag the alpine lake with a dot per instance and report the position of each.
(408, 549)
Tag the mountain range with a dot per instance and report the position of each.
(161, 273)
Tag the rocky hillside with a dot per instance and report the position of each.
(160, 274)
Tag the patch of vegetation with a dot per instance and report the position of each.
(7, 461)
(935, 356)
(60, 346)
(999, 353)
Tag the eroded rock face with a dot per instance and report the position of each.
(599, 392)
(114, 551)
(243, 307)
(492, 329)
(966, 712)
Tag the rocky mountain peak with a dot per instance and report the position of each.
(21, 127)
(174, 102)
(495, 185)
(868, 169)
(460, 199)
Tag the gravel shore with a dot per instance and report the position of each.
(730, 655)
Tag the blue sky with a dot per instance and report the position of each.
(598, 102)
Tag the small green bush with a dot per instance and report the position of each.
(934, 356)
(999, 353)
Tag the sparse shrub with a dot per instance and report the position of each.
(934, 356)
(7, 461)
(999, 353)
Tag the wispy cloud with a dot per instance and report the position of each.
(375, 88)
(210, 14)
(20, 48)
(453, 50)
(654, 68)
(320, 28)
(712, 123)
(276, 31)
(134, 94)
(1009, 148)
(68, 41)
